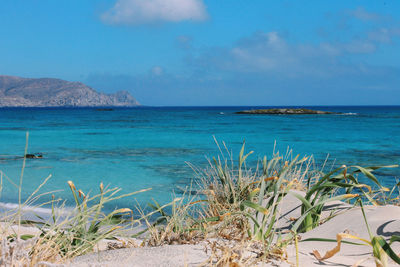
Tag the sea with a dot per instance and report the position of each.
(157, 147)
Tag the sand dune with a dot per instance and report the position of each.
(383, 220)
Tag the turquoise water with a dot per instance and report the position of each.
(149, 147)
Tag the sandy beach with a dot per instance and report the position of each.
(199, 133)
(383, 220)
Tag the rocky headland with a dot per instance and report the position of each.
(49, 92)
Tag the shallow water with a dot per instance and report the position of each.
(148, 147)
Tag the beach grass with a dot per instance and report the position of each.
(240, 204)
(67, 233)
(236, 210)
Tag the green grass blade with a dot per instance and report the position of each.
(394, 238)
(331, 240)
(255, 207)
(386, 247)
(306, 203)
(368, 174)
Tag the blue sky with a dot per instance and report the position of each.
(211, 52)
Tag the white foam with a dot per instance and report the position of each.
(27, 208)
(349, 113)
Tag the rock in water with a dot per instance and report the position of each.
(284, 111)
(47, 92)
(33, 156)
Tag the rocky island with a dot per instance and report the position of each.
(49, 92)
(284, 111)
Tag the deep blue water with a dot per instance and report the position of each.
(148, 147)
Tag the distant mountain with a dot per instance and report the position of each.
(47, 92)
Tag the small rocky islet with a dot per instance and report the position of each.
(284, 111)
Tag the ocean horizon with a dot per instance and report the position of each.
(150, 147)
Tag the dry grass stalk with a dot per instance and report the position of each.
(61, 237)
(15, 252)
(381, 249)
(240, 253)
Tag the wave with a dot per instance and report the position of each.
(349, 113)
(7, 206)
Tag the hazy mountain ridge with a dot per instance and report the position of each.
(49, 92)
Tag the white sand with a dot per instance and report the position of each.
(384, 221)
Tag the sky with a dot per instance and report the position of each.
(211, 52)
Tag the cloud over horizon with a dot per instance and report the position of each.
(276, 68)
(271, 53)
(258, 53)
(135, 12)
(362, 14)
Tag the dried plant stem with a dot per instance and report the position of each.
(20, 184)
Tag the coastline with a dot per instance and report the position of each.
(236, 210)
(148, 147)
(273, 216)
(199, 133)
(130, 252)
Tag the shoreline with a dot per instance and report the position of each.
(243, 217)
(131, 252)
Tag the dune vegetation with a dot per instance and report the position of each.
(235, 209)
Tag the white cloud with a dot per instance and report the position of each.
(361, 14)
(157, 70)
(271, 53)
(359, 47)
(135, 12)
(384, 35)
(184, 41)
